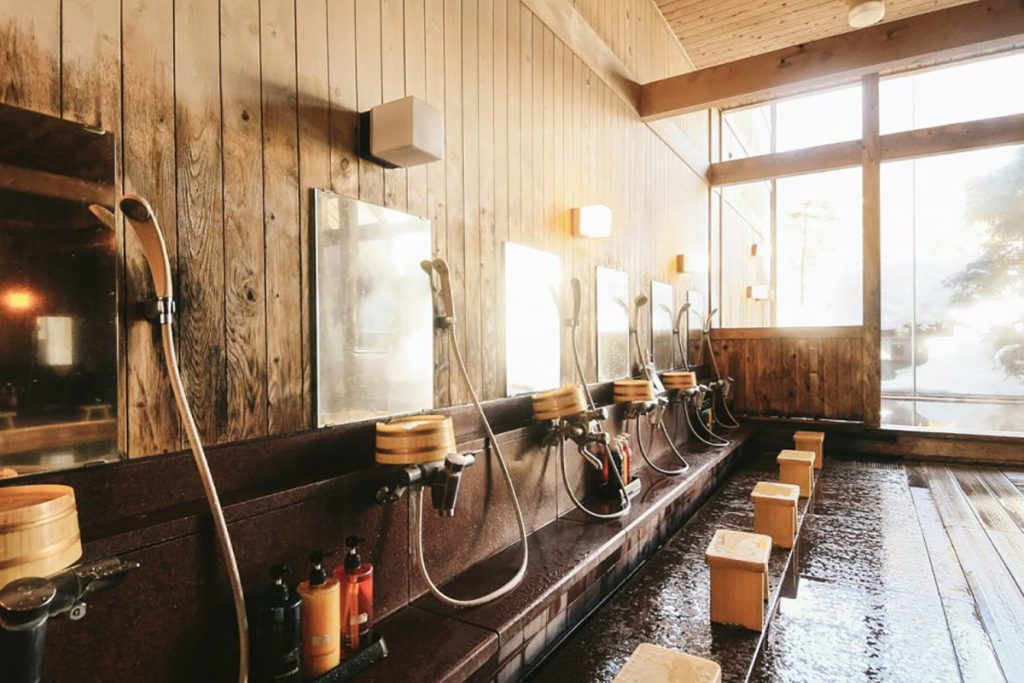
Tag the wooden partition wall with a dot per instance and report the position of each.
(227, 114)
(794, 372)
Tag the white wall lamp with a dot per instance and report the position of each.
(864, 13)
(402, 133)
(759, 292)
(692, 262)
(592, 221)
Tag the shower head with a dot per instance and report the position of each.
(441, 268)
(103, 214)
(679, 316)
(140, 216)
(711, 315)
(577, 296)
(639, 302)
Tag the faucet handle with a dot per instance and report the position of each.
(456, 462)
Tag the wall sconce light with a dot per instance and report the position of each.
(758, 292)
(402, 133)
(19, 300)
(753, 249)
(692, 262)
(592, 221)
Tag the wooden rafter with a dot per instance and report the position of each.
(972, 28)
(18, 179)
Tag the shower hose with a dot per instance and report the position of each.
(219, 523)
(417, 505)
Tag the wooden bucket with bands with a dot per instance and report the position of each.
(630, 390)
(561, 402)
(679, 380)
(38, 531)
(415, 439)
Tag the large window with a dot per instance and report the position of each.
(953, 291)
(963, 92)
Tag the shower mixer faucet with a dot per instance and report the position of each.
(442, 476)
(26, 605)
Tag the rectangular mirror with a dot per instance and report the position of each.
(58, 302)
(613, 307)
(374, 311)
(662, 314)
(533, 319)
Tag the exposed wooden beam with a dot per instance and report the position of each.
(18, 179)
(871, 177)
(572, 29)
(781, 164)
(953, 137)
(838, 332)
(971, 28)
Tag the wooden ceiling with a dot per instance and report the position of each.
(719, 31)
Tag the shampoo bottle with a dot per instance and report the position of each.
(356, 578)
(321, 620)
(278, 639)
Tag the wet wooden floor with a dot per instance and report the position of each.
(903, 572)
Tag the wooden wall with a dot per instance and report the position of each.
(227, 114)
(794, 372)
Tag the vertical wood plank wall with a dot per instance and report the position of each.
(227, 114)
(794, 372)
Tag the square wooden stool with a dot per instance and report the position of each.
(739, 577)
(797, 467)
(811, 441)
(655, 664)
(775, 511)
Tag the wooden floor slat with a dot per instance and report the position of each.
(974, 651)
(990, 512)
(1010, 496)
(980, 517)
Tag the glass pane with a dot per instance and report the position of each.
(746, 132)
(374, 312)
(820, 254)
(962, 92)
(613, 307)
(533, 320)
(662, 319)
(58, 303)
(819, 119)
(974, 416)
(746, 257)
(952, 287)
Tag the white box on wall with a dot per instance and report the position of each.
(406, 132)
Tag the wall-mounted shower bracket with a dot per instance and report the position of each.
(160, 310)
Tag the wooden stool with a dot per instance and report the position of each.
(811, 441)
(797, 467)
(739, 577)
(655, 664)
(7, 418)
(775, 511)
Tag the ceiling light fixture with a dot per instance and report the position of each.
(865, 12)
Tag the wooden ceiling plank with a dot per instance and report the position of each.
(973, 27)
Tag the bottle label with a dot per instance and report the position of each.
(320, 640)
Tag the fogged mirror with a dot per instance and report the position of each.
(612, 324)
(662, 313)
(58, 326)
(374, 312)
(533, 319)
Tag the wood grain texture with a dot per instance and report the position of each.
(871, 175)
(200, 216)
(244, 297)
(229, 114)
(812, 372)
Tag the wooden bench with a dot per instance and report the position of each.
(739, 577)
(797, 467)
(775, 511)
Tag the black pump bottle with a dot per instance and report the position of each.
(277, 648)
